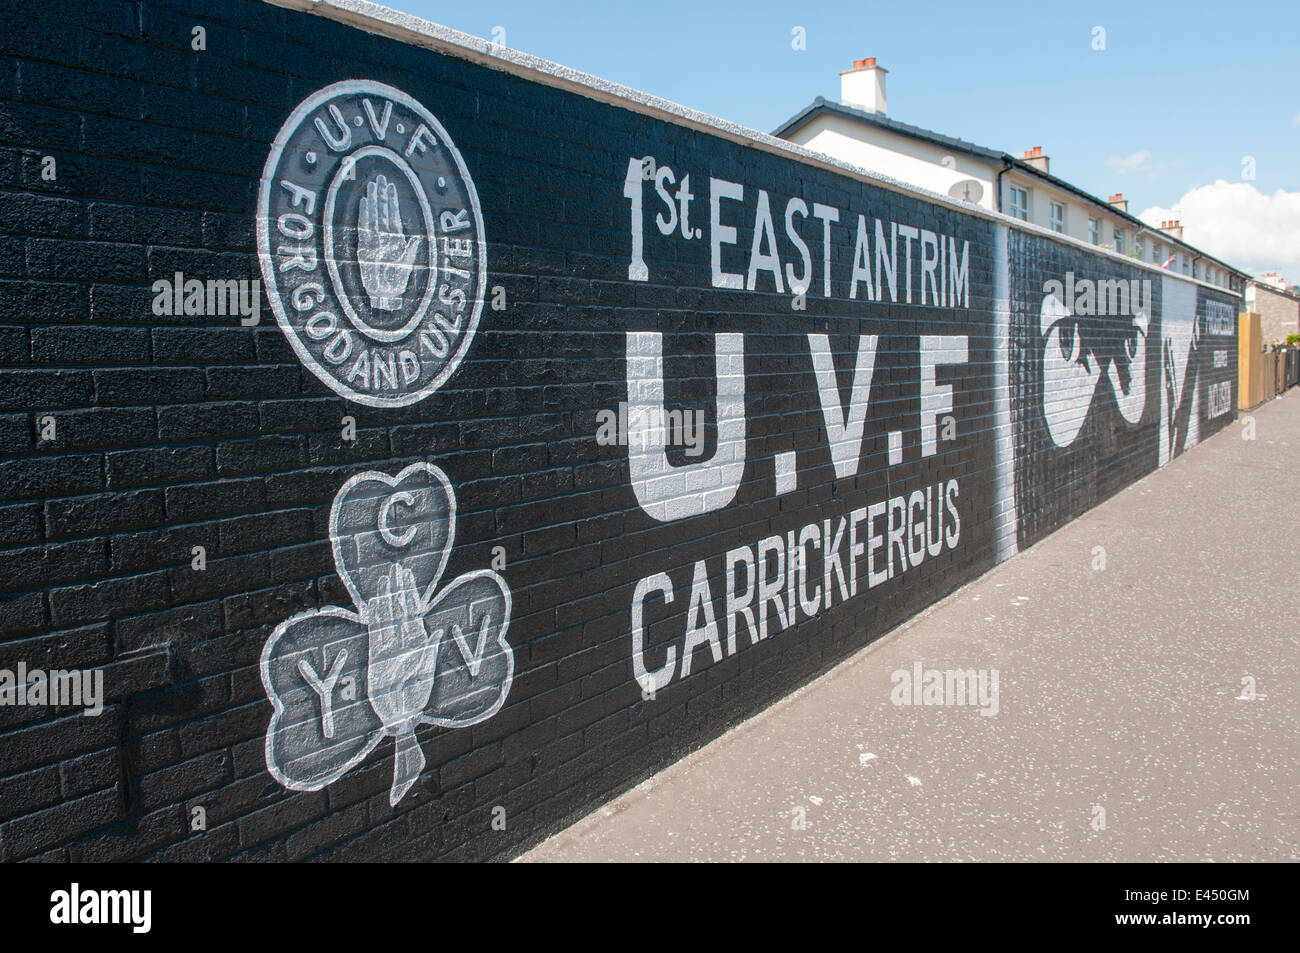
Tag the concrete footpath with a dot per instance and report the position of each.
(1123, 728)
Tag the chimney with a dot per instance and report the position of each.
(1036, 158)
(863, 87)
(1118, 201)
(1173, 229)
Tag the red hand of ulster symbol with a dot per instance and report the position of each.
(409, 654)
(385, 255)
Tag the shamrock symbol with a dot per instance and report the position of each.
(410, 654)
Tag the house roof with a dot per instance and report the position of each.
(1287, 292)
(822, 106)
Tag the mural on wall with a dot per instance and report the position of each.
(373, 249)
(1180, 423)
(842, 474)
(1078, 360)
(371, 242)
(407, 654)
(1110, 375)
(1217, 327)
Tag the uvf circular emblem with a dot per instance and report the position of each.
(371, 243)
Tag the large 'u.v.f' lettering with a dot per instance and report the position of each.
(844, 426)
(667, 492)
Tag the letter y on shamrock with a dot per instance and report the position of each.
(407, 654)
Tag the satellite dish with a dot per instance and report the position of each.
(967, 190)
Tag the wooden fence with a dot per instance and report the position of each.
(1263, 374)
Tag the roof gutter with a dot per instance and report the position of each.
(1062, 184)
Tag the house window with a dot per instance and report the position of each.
(1094, 231)
(1058, 217)
(1119, 240)
(1139, 248)
(1157, 253)
(1187, 265)
(1020, 203)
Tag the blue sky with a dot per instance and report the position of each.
(1181, 95)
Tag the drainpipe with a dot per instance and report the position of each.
(1138, 237)
(1006, 167)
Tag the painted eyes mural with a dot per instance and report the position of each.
(407, 654)
(371, 245)
(1080, 351)
(1077, 356)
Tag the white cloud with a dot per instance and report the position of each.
(1241, 225)
(1137, 162)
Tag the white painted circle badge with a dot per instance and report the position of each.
(371, 241)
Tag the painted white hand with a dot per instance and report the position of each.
(403, 653)
(385, 255)
(403, 664)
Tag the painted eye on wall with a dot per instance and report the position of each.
(1070, 376)
(1129, 383)
(1068, 340)
(1135, 337)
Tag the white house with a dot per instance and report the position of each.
(858, 130)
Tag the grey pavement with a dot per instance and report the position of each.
(1120, 690)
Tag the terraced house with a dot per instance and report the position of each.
(858, 130)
